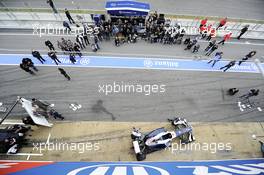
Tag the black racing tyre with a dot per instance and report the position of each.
(185, 137)
(133, 137)
(28, 121)
(140, 156)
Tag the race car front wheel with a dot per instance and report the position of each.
(140, 156)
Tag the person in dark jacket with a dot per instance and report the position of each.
(64, 73)
(243, 31)
(187, 41)
(41, 104)
(211, 50)
(217, 57)
(229, 65)
(211, 44)
(49, 45)
(68, 15)
(248, 56)
(66, 25)
(77, 49)
(55, 114)
(117, 42)
(196, 48)
(26, 68)
(232, 91)
(28, 62)
(50, 2)
(80, 41)
(85, 38)
(72, 58)
(37, 55)
(54, 57)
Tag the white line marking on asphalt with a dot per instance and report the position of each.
(105, 53)
(12, 123)
(23, 154)
(48, 139)
(28, 157)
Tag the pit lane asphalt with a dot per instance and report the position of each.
(198, 96)
(23, 42)
(247, 9)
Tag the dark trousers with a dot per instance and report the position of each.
(209, 38)
(68, 27)
(28, 70)
(41, 59)
(222, 42)
(239, 36)
(70, 20)
(51, 47)
(80, 44)
(220, 25)
(209, 52)
(240, 62)
(214, 61)
(226, 67)
(78, 53)
(72, 59)
(56, 60)
(86, 40)
(33, 67)
(66, 76)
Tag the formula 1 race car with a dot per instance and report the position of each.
(160, 138)
(12, 138)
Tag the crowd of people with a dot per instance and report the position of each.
(153, 29)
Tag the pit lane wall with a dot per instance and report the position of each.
(223, 167)
(26, 18)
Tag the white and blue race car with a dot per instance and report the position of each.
(160, 138)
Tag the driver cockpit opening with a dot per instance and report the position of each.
(167, 136)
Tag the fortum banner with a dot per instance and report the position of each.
(223, 167)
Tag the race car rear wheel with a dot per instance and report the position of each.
(185, 137)
(133, 137)
(140, 156)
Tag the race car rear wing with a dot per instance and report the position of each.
(39, 120)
